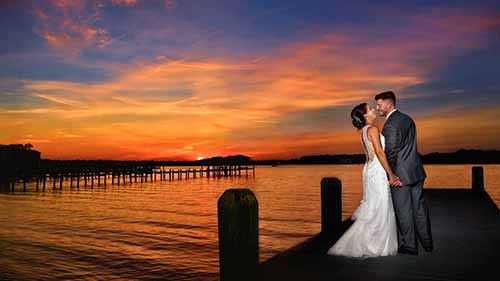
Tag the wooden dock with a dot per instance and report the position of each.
(77, 177)
(466, 233)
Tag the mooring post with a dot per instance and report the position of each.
(238, 215)
(477, 178)
(331, 204)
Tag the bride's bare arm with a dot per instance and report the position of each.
(374, 135)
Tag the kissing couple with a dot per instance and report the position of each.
(393, 212)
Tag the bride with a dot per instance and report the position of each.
(373, 232)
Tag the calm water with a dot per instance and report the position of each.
(168, 230)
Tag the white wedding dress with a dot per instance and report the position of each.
(373, 232)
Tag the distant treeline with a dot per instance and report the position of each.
(462, 156)
(214, 161)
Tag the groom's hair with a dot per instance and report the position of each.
(389, 95)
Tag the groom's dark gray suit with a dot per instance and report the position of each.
(411, 209)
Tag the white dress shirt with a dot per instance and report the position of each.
(387, 117)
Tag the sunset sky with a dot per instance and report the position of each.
(181, 80)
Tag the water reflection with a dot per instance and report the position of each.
(168, 230)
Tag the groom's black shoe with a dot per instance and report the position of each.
(407, 251)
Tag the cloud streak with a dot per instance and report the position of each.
(206, 105)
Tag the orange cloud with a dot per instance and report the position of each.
(189, 108)
(70, 26)
(451, 130)
(124, 2)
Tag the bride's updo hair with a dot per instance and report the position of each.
(357, 115)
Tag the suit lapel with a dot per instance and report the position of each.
(391, 118)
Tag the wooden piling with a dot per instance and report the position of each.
(477, 178)
(331, 204)
(238, 226)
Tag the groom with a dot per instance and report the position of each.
(412, 214)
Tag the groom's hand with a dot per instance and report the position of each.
(395, 182)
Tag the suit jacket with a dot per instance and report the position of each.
(401, 148)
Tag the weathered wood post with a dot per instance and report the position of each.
(477, 178)
(44, 181)
(61, 181)
(238, 216)
(331, 204)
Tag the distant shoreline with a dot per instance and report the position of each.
(462, 156)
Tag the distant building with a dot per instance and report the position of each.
(17, 159)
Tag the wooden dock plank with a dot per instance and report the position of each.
(466, 233)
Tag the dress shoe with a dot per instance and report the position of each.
(407, 251)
